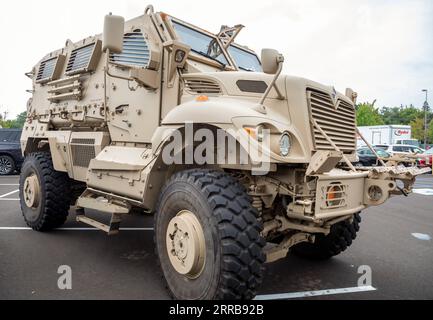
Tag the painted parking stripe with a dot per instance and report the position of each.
(307, 294)
(8, 194)
(74, 229)
(1, 199)
(421, 236)
(9, 184)
(424, 192)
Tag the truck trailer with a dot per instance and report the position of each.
(386, 135)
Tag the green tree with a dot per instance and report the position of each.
(400, 115)
(21, 119)
(430, 132)
(368, 115)
(17, 123)
(417, 129)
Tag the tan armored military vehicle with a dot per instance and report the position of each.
(238, 163)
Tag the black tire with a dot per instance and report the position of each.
(54, 200)
(234, 247)
(7, 165)
(325, 247)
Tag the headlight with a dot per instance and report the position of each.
(260, 133)
(285, 145)
(257, 133)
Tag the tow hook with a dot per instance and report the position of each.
(403, 191)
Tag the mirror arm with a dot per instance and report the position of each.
(280, 95)
(273, 85)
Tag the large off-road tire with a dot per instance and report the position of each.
(7, 165)
(44, 193)
(207, 237)
(338, 240)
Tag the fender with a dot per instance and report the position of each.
(217, 110)
(231, 113)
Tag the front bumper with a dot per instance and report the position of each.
(342, 193)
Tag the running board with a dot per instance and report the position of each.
(111, 229)
(93, 201)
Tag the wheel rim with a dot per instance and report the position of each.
(31, 191)
(186, 244)
(5, 165)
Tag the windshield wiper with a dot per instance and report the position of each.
(209, 57)
(245, 69)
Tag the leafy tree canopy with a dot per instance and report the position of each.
(16, 123)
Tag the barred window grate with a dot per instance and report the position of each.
(80, 58)
(135, 51)
(46, 69)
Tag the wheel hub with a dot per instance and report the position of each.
(186, 244)
(31, 191)
(5, 165)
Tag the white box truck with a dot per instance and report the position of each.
(387, 135)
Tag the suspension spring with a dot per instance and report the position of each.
(258, 204)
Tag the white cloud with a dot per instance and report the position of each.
(381, 48)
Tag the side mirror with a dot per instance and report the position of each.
(272, 63)
(114, 27)
(271, 60)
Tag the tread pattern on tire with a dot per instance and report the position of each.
(338, 240)
(242, 256)
(57, 193)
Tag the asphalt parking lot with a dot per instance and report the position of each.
(394, 241)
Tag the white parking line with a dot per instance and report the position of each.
(9, 185)
(74, 229)
(8, 194)
(424, 192)
(421, 236)
(306, 294)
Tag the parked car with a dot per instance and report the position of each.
(426, 159)
(401, 149)
(10, 151)
(368, 158)
(408, 142)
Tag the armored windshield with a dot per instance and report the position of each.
(201, 43)
(245, 60)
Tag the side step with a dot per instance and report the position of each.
(90, 200)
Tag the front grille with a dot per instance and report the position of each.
(202, 86)
(338, 120)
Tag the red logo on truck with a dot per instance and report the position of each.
(401, 132)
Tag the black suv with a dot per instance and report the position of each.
(10, 151)
(368, 158)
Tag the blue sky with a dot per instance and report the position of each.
(381, 48)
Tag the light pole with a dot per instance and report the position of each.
(425, 117)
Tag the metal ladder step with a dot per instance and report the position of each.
(90, 200)
(111, 229)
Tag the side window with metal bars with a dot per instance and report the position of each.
(80, 59)
(46, 70)
(135, 52)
